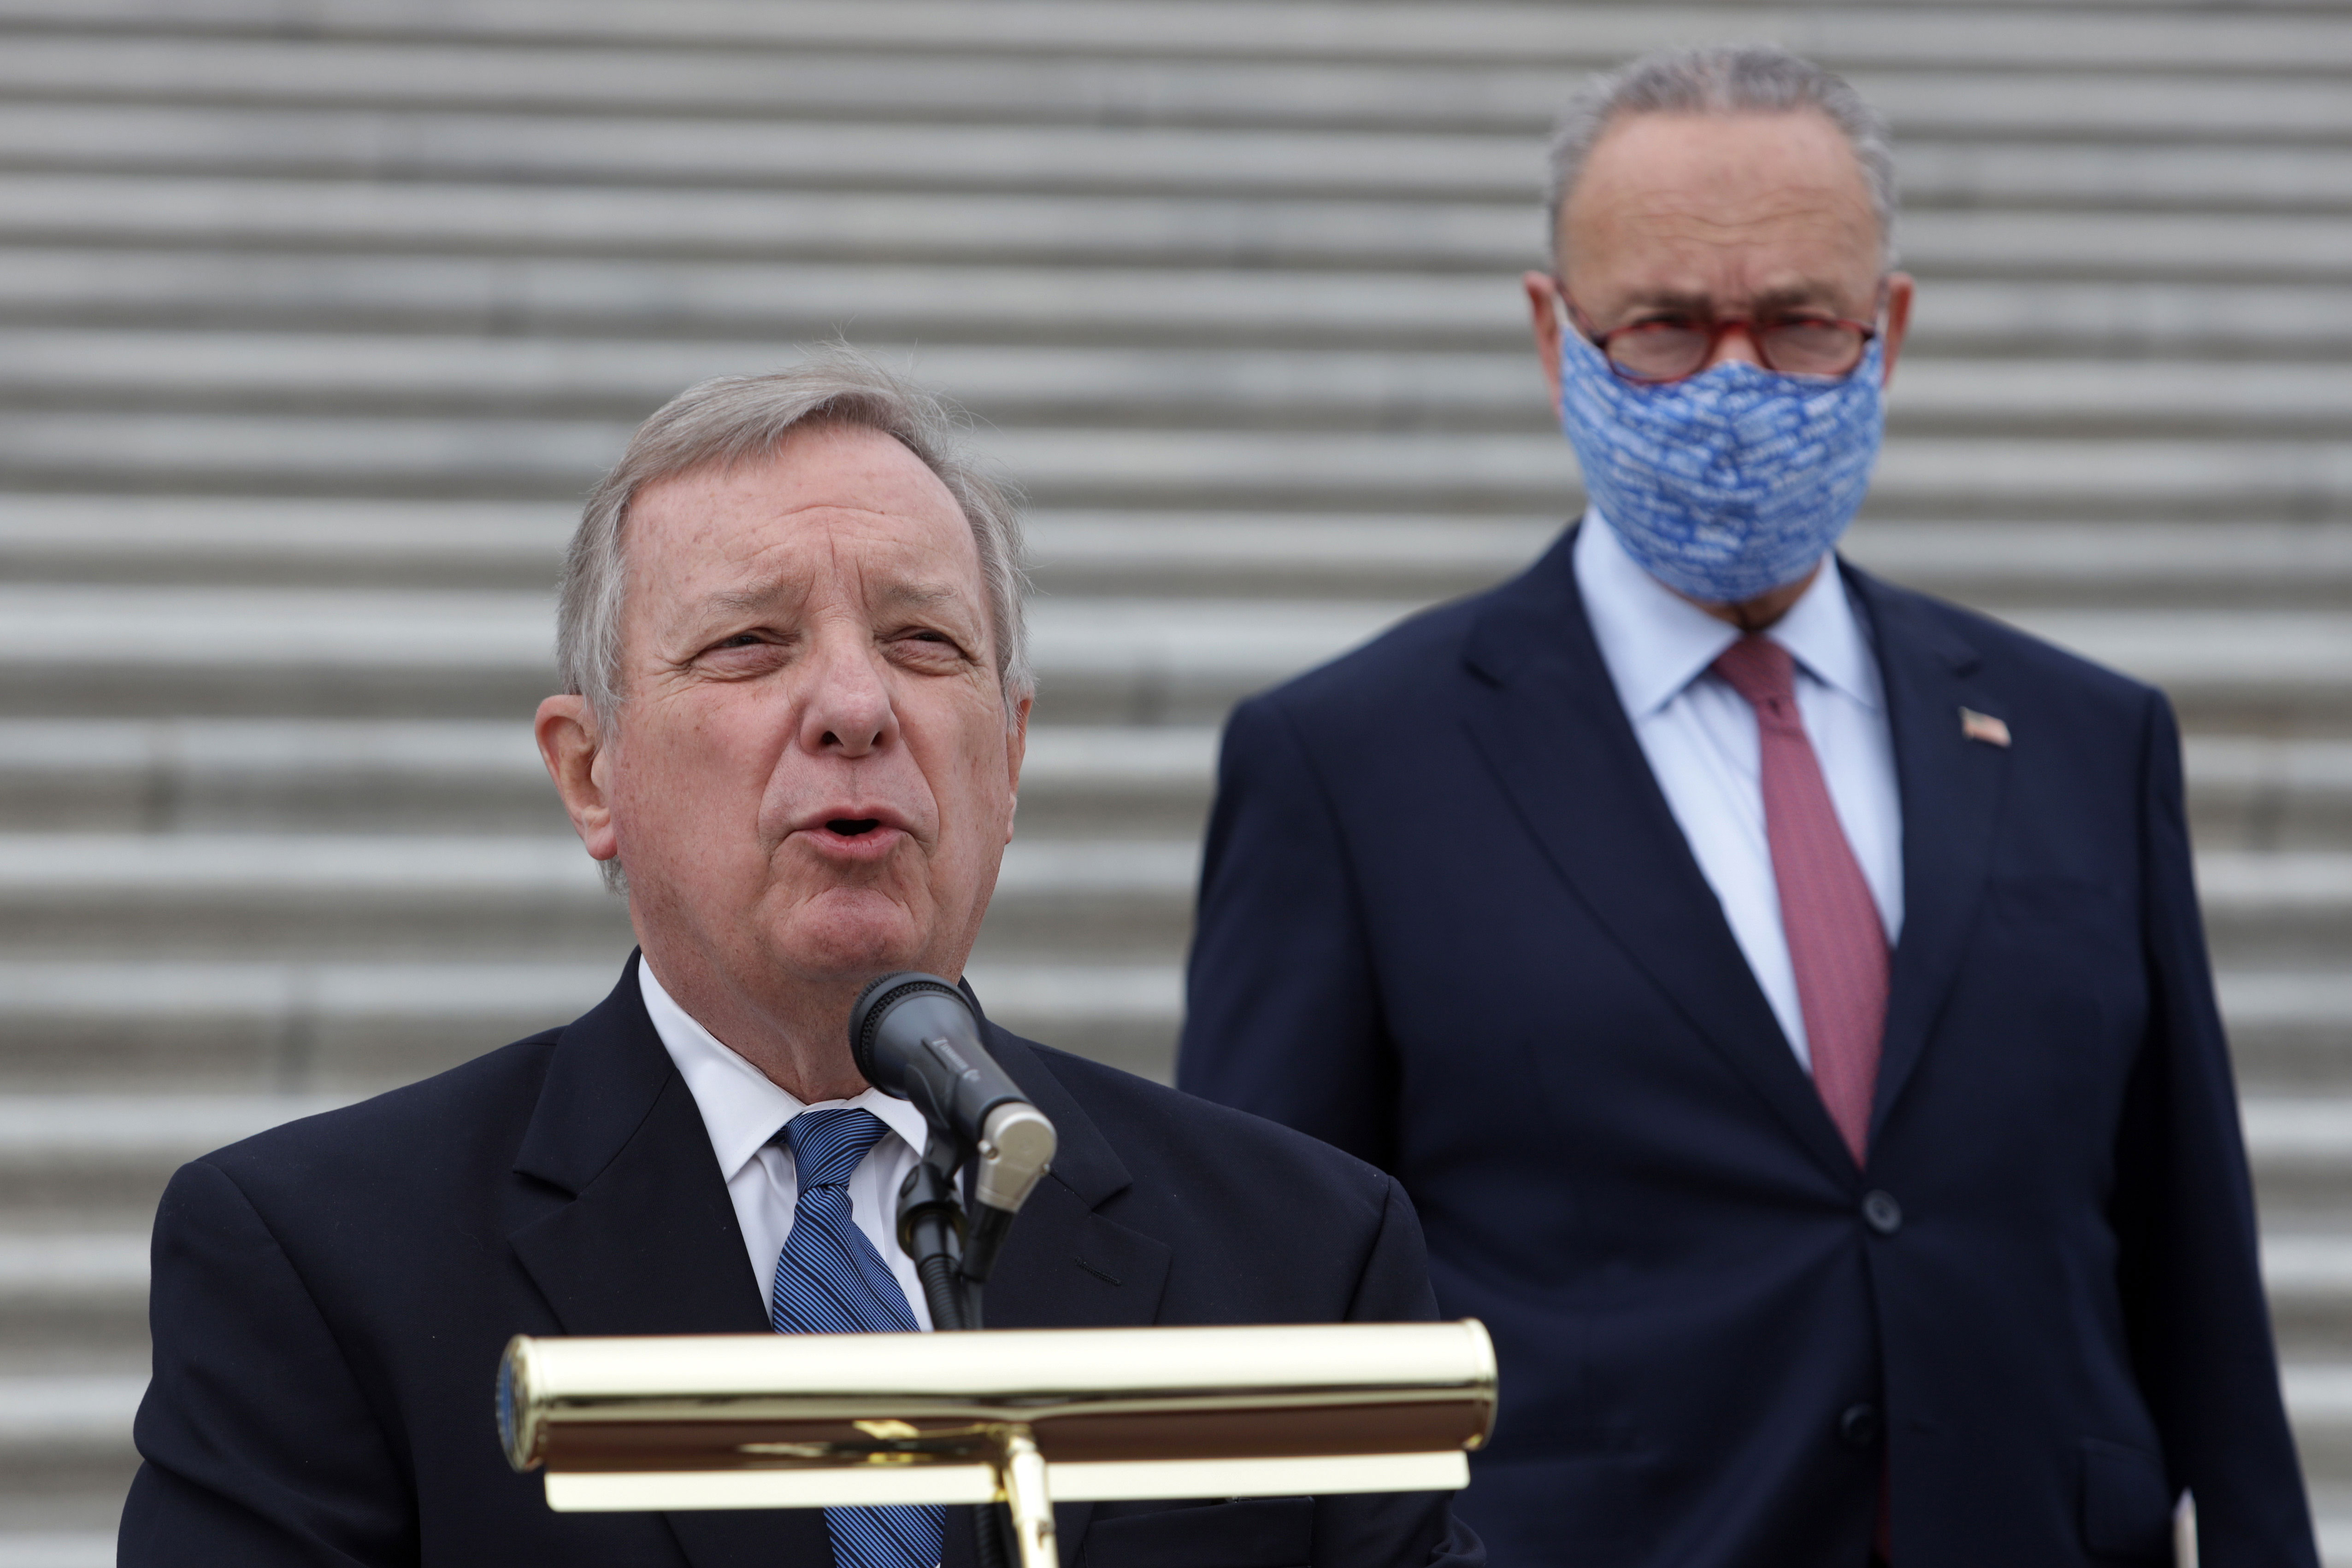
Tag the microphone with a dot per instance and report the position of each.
(913, 1036)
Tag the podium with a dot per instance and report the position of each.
(1020, 1416)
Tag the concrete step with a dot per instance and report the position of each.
(97, 1155)
(664, 220)
(2227, 671)
(791, 300)
(374, 143)
(95, 1165)
(2290, 1031)
(275, 541)
(2238, 563)
(275, 1025)
(65, 1459)
(280, 1025)
(2277, 912)
(196, 898)
(119, 651)
(229, 775)
(2125, 478)
(2166, 34)
(1008, 385)
(73, 1303)
(92, 1548)
(2301, 1149)
(2244, 564)
(479, 776)
(1255, 308)
(2319, 1403)
(64, 651)
(274, 775)
(2309, 1280)
(285, 652)
(880, 70)
(2257, 793)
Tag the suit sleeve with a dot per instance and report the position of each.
(1282, 1019)
(259, 1449)
(1406, 1530)
(2191, 1276)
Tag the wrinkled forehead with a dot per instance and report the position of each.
(1662, 191)
(830, 505)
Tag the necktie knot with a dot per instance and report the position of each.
(827, 1145)
(1763, 672)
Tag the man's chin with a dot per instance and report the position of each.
(851, 934)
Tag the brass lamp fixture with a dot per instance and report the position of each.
(1021, 1417)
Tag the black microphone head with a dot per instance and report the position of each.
(874, 1006)
(915, 1037)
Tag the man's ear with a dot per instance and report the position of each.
(1544, 309)
(1016, 749)
(1899, 291)
(576, 760)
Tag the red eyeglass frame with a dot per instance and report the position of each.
(1716, 330)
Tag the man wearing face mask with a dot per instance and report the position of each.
(1783, 994)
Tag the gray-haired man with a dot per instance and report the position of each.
(1782, 994)
(792, 636)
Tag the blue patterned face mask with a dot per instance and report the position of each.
(1728, 484)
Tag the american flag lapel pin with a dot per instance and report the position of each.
(1983, 727)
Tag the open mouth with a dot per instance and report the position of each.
(852, 826)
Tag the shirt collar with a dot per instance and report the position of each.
(743, 1108)
(1654, 642)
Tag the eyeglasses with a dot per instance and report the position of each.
(1671, 348)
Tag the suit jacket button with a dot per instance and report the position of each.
(1858, 1427)
(1883, 1215)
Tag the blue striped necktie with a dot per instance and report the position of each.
(830, 1280)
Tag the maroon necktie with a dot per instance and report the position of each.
(1836, 942)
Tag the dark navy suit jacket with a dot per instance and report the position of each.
(331, 1300)
(1448, 924)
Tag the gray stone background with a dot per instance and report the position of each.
(316, 318)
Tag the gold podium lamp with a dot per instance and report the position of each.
(1020, 1416)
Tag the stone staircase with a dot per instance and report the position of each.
(317, 316)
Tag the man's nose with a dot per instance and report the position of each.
(848, 708)
(1734, 341)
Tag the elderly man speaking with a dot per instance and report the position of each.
(791, 632)
(1783, 994)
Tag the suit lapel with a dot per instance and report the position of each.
(648, 1244)
(1066, 1266)
(1950, 787)
(1547, 719)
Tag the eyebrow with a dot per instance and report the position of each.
(920, 596)
(742, 601)
(916, 594)
(1808, 292)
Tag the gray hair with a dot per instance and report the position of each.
(1754, 78)
(740, 418)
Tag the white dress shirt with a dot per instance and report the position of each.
(744, 1110)
(1699, 736)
